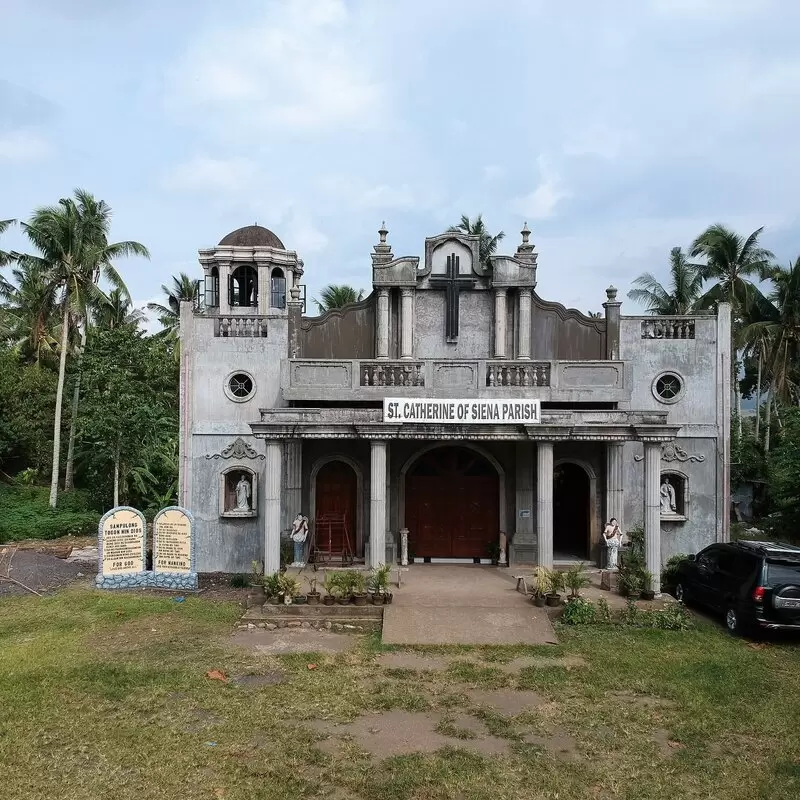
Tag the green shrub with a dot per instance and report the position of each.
(579, 611)
(26, 514)
(669, 575)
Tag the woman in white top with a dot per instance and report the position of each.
(613, 538)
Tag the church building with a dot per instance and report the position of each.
(453, 405)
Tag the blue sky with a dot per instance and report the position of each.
(616, 129)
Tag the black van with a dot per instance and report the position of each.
(754, 584)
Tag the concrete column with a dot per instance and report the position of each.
(652, 511)
(293, 482)
(544, 503)
(382, 327)
(499, 323)
(272, 508)
(612, 306)
(407, 323)
(224, 280)
(614, 482)
(524, 338)
(377, 505)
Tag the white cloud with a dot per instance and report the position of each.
(542, 201)
(204, 172)
(303, 235)
(302, 65)
(23, 146)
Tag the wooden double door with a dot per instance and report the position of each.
(336, 508)
(452, 504)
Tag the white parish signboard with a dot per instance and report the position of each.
(462, 412)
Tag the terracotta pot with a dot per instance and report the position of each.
(538, 601)
(553, 600)
(312, 598)
(343, 601)
(328, 600)
(360, 599)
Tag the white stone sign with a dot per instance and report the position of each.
(173, 549)
(462, 412)
(121, 549)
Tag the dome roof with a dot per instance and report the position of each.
(252, 236)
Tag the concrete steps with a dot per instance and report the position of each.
(340, 618)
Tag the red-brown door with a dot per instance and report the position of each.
(452, 504)
(336, 497)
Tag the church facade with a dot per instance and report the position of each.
(453, 404)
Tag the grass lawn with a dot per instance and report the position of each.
(105, 696)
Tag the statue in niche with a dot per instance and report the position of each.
(668, 506)
(243, 494)
(613, 540)
(299, 535)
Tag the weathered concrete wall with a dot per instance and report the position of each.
(476, 329)
(700, 439)
(224, 544)
(214, 421)
(561, 333)
(345, 333)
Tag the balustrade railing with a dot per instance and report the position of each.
(661, 328)
(251, 326)
(517, 373)
(388, 373)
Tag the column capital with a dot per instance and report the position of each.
(500, 291)
(383, 291)
(525, 291)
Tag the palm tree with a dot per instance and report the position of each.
(5, 257)
(488, 243)
(337, 296)
(117, 312)
(169, 315)
(730, 260)
(72, 241)
(682, 295)
(31, 321)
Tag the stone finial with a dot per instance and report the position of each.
(383, 250)
(611, 294)
(294, 293)
(525, 250)
(526, 233)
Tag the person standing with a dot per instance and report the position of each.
(613, 540)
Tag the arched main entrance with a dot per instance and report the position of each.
(452, 500)
(571, 511)
(336, 498)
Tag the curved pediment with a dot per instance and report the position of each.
(565, 313)
(347, 332)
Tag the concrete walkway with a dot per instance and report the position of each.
(442, 604)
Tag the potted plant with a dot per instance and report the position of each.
(343, 584)
(272, 587)
(576, 579)
(647, 584)
(312, 598)
(493, 549)
(556, 581)
(630, 582)
(290, 588)
(358, 588)
(331, 587)
(542, 578)
(379, 581)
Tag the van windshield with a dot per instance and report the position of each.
(778, 572)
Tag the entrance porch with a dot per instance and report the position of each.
(536, 493)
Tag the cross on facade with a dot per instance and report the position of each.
(452, 283)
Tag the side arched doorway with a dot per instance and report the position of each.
(336, 499)
(571, 511)
(452, 504)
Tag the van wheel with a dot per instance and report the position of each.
(733, 623)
